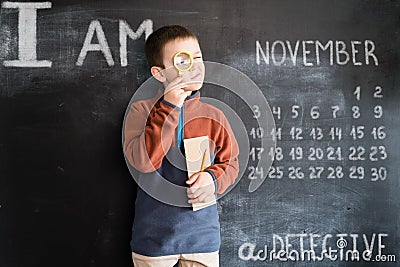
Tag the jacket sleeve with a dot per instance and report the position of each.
(148, 135)
(226, 166)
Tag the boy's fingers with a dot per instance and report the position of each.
(202, 197)
(192, 178)
(177, 87)
(196, 190)
(191, 190)
(196, 184)
(175, 82)
(199, 199)
(195, 193)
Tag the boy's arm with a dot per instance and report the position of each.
(226, 166)
(148, 135)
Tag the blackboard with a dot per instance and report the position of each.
(328, 69)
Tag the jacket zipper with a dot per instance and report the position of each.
(180, 127)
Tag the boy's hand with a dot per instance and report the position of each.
(202, 188)
(174, 92)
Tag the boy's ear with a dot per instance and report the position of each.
(157, 73)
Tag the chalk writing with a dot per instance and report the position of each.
(341, 53)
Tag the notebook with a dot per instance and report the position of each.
(197, 152)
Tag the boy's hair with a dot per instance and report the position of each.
(156, 42)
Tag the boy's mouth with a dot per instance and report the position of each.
(195, 80)
(196, 76)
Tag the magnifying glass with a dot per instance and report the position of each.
(183, 61)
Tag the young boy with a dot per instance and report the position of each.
(164, 234)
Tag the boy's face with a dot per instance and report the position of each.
(195, 76)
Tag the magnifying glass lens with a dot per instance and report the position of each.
(182, 61)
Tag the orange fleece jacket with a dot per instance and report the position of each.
(151, 129)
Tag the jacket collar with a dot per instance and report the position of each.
(195, 94)
(192, 100)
